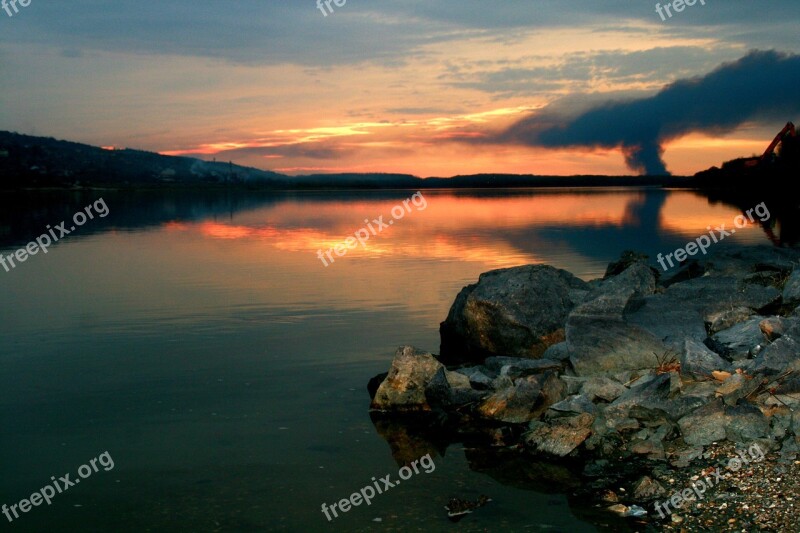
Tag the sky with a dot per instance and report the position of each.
(424, 87)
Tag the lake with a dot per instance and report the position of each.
(199, 339)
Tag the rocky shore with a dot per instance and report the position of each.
(638, 382)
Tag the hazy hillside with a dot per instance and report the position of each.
(40, 162)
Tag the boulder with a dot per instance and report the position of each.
(404, 387)
(517, 311)
(600, 341)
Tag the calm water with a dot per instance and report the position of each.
(201, 342)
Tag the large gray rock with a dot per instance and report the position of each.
(517, 311)
(600, 341)
(403, 389)
(624, 326)
(714, 294)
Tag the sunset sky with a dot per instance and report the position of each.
(414, 86)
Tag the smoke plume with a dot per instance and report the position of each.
(761, 86)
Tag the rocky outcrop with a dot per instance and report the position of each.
(645, 369)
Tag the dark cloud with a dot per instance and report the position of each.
(762, 86)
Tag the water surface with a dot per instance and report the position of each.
(200, 341)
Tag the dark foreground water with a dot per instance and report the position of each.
(200, 341)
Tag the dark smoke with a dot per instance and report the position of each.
(761, 86)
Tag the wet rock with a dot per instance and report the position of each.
(516, 311)
(404, 387)
(560, 436)
(697, 360)
(738, 341)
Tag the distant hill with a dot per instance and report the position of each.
(42, 162)
(27, 161)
